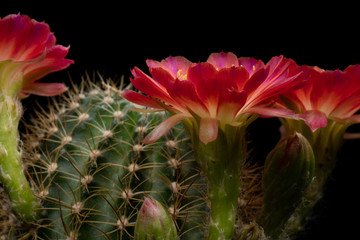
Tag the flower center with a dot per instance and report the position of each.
(181, 76)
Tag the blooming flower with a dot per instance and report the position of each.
(223, 90)
(333, 95)
(28, 52)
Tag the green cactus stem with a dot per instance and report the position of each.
(11, 170)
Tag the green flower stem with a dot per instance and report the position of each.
(224, 189)
(11, 172)
(221, 161)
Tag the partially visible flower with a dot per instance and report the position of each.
(224, 90)
(328, 95)
(28, 52)
(326, 106)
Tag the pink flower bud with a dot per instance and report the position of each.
(154, 222)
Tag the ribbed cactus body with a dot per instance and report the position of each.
(92, 171)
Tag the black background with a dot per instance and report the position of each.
(113, 38)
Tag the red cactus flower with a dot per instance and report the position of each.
(220, 91)
(28, 53)
(327, 95)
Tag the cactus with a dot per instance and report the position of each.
(91, 171)
(90, 167)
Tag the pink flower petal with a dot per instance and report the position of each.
(251, 64)
(230, 103)
(174, 65)
(208, 130)
(314, 119)
(281, 70)
(223, 60)
(203, 76)
(255, 81)
(232, 78)
(280, 76)
(53, 61)
(349, 106)
(328, 90)
(162, 76)
(22, 38)
(353, 69)
(140, 99)
(45, 89)
(355, 118)
(149, 86)
(273, 112)
(185, 93)
(163, 127)
(276, 66)
(351, 136)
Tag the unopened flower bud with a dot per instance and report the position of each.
(289, 169)
(154, 222)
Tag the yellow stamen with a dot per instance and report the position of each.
(181, 76)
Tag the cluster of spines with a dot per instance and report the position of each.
(91, 171)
